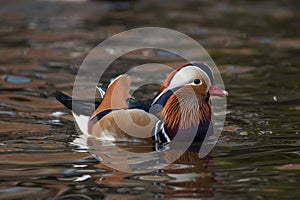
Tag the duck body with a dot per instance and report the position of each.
(181, 106)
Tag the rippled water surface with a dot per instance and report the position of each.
(256, 46)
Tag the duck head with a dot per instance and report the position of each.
(213, 89)
(184, 99)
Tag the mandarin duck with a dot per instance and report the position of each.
(182, 105)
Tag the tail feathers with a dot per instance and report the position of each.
(64, 99)
(78, 106)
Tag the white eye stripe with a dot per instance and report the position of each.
(187, 76)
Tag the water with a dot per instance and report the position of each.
(256, 47)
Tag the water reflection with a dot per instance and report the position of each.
(188, 177)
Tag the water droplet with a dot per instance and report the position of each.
(139, 188)
(82, 178)
(17, 79)
(3, 112)
(57, 114)
(55, 121)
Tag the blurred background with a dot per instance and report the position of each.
(255, 45)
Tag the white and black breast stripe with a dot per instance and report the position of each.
(160, 134)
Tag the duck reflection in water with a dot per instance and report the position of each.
(187, 176)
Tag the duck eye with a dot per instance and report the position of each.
(197, 81)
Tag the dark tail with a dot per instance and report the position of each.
(64, 99)
(78, 106)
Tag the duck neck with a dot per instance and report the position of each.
(184, 111)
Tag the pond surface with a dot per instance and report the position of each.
(256, 46)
